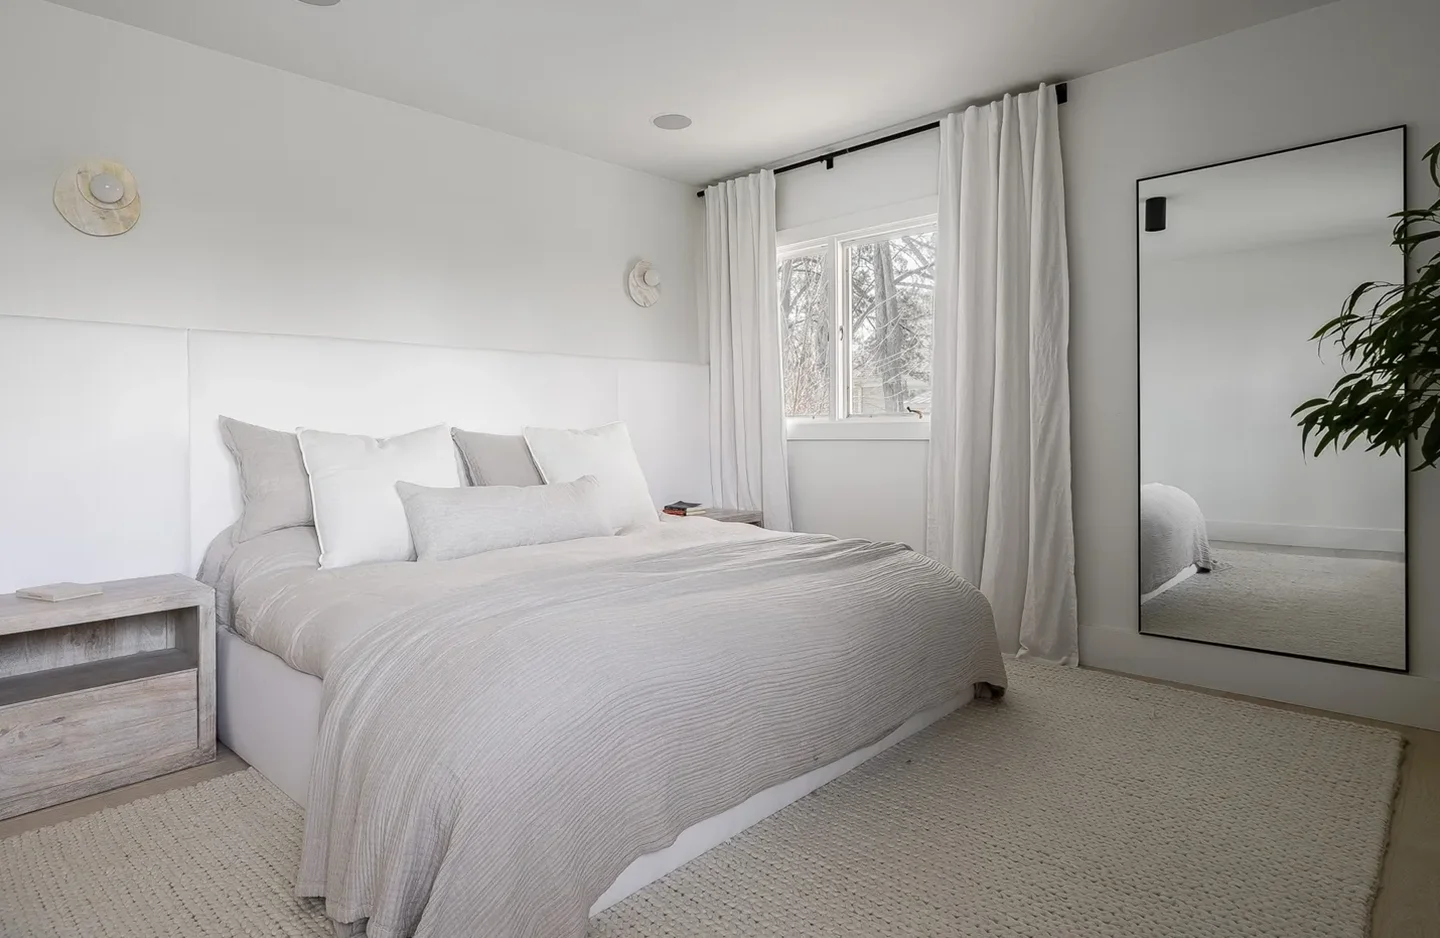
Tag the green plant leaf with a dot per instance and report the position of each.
(1388, 338)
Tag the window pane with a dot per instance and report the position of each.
(805, 336)
(892, 317)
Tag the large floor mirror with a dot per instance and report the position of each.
(1246, 539)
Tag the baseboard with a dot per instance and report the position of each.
(1407, 699)
(1307, 535)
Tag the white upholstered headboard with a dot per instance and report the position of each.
(112, 465)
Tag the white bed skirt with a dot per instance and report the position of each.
(269, 715)
(1174, 581)
(266, 712)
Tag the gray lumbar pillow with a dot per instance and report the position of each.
(273, 481)
(447, 523)
(496, 459)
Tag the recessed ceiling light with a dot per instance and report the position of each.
(321, 3)
(671, 122)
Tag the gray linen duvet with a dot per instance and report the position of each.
(504, 734)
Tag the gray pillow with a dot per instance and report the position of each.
(446, 523)
(496, 459)
(273, 481)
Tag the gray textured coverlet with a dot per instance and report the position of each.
(491, 757)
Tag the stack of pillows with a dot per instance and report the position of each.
(406, 498)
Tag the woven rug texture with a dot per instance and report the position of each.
(1341, 608)
(1082, 804)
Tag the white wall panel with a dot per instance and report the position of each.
(93, 440)
(111, 463)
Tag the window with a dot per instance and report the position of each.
(857, 314)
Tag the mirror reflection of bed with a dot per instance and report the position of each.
(1343, 605)
(1245, 538)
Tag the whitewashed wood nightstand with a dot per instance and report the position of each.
(105, 690)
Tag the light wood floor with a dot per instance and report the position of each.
(1407, 906)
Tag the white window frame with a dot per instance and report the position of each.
(841, 425)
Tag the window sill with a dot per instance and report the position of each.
(861, 428)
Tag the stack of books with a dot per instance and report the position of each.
(684, 509)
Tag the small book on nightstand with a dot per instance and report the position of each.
(59, 592)
(685, 509)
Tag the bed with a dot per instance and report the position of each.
(1173, 541)
(507, 743)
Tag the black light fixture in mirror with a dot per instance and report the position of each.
(1245, 538)
(1155, 213)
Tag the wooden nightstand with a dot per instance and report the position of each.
(104, 691)
(735, 516)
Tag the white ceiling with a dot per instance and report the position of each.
(1342, 188)
(762, 80)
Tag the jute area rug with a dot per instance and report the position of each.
(1080, 804)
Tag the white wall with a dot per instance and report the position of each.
(1225, 357)
(275, 203)
(94, 437)
(860, 488)
(878, 178)
(1352, 66)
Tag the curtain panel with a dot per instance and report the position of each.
(998, 499)
(748, 466)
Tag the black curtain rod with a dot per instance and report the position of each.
(1062, 94)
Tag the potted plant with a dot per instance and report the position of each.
(1390, 348)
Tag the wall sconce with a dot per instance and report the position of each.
(98, 197)
(644, 284)
(1155, 213)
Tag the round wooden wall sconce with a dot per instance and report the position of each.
(98, 197)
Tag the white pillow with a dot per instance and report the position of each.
(606, 454)
(461, 522)
(358, 514)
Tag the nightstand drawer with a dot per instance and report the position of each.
(88, 738)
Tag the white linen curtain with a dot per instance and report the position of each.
(998, 507)
(748, 467)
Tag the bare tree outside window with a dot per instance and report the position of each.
(880, 338)
(892, 318)
(805, 335)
